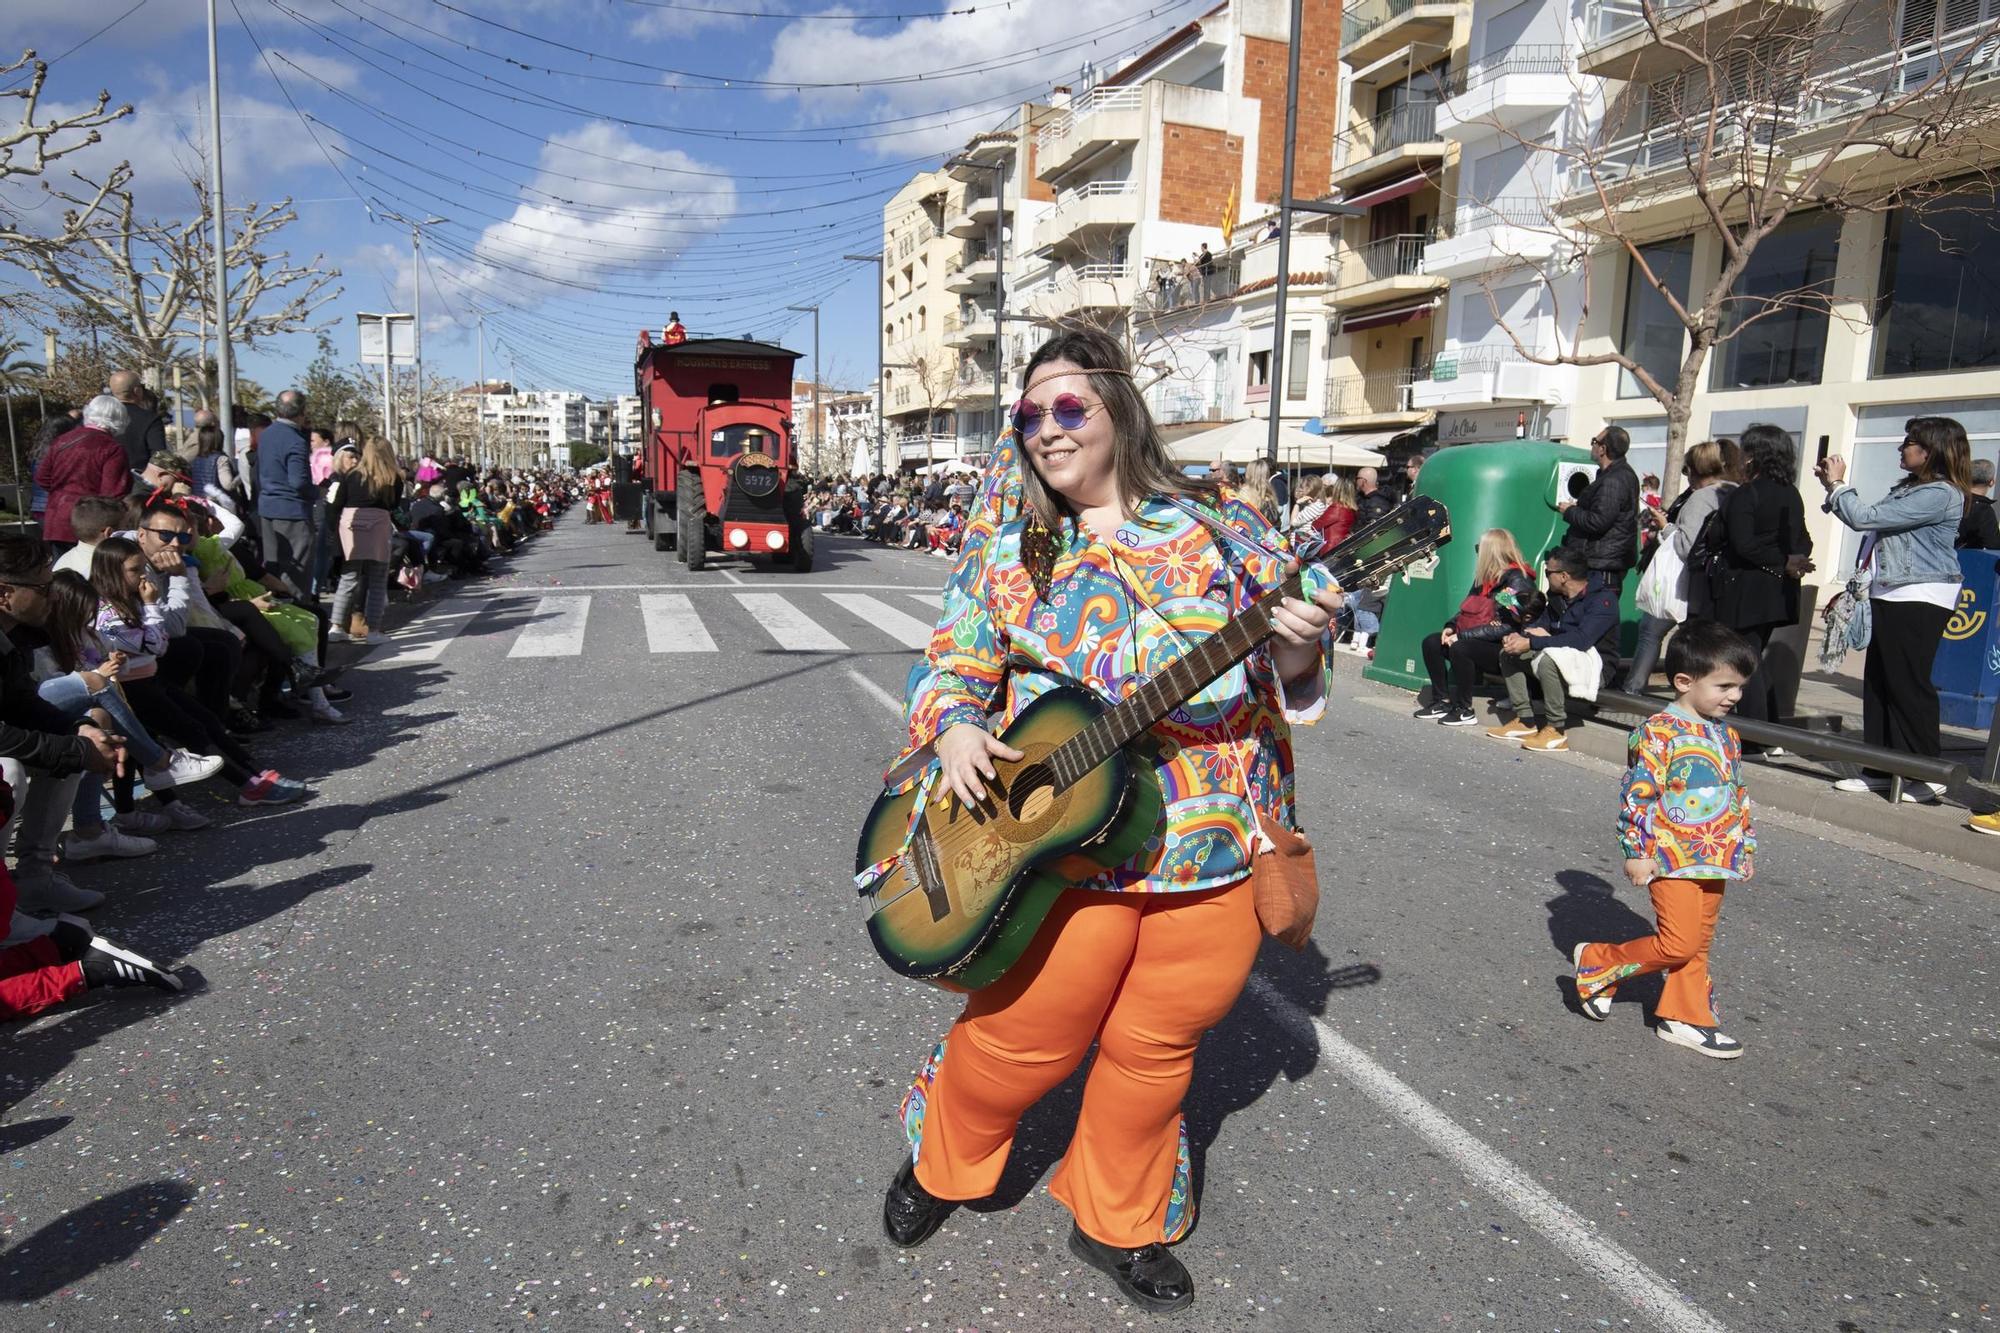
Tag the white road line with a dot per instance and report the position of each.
(881, 696)
(791, 627)
(1562, 1226)
(930, 599)
(555, 631)
(425, 639)
(904, 629)
(672, 626)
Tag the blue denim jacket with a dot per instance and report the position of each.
(1916, 527)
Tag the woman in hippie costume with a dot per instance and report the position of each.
(1098, 563)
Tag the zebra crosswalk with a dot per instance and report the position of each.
(560, 624)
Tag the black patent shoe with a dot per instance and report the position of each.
(911, 1214)
(1150, 1276)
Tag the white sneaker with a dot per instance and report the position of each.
(181, 768)
(328, 715)
(1923, 793)
(1861, 784)
(142, 822)
(1712, 1042)
(185, 817)
(339, 636)
(51, 891)
(108, 841)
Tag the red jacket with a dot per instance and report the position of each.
(1334, 523)
(87, 461)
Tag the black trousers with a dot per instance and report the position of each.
(1760, 694)
(1456, 670)
(1899, 705)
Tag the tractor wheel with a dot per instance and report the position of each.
(802, 548)
(692, 539)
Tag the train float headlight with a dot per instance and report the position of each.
(774, 539)
(739, 538)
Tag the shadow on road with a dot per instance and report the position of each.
(1239, 1061)
(1588, 910)
(94, 1236)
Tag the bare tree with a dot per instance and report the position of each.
(29, 147)
(148, 278)
(1728, 121)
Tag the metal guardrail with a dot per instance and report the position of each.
(1390, 257)
(1533, 59)
(1507, 211)
(1368, 395)
(1828, 746)
(1398, 127)
(1358, 20)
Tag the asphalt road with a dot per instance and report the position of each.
(552, 1010)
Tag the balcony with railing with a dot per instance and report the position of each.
(1098, 286)
(1486, 373)
(1494, 233)
(1170, 286)
(1374, 29)
(1379, 398)
(1083, 213)
(1637, 40)
(969, 326)
(972, 268)
(1099, 118)
(1380, 271)
(1504, 89)
(975, 217)
(1399, 140)
(1183, 404)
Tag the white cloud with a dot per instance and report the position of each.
(665, 25)
(827, 50)
(327, 69)
(609, 234)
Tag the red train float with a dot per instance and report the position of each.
(721, 463)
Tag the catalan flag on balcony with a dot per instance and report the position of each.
(1229, 216)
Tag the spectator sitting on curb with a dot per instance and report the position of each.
(1496, 606)
(1565, 649)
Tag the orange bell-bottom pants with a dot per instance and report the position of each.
(1144, 974)
(1687, 910)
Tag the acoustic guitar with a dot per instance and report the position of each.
(966, 888)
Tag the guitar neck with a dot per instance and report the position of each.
(1134, 715)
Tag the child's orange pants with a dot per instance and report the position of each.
(1687, 910)
(1145, 975)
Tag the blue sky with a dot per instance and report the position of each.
(597, 161)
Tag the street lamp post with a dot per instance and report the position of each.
(881, 358)
(1286, 207)
(999, 170)
(416, 227)
(225, 387)
(818, 429)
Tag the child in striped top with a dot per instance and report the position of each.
(1684, 826)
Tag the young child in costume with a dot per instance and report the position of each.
(1684, 825)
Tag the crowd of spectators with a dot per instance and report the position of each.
(911, 514)
(178, 605)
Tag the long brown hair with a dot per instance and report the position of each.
(1138, 454)
(107, 575)
(1947, 453)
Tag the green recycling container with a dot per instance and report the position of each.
(1511, 484)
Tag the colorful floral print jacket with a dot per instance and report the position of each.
(1683, 806)
(998, 647)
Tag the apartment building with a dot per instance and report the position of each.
(523, 425)
(919, 371)
(1909, 323)
(1147, 169)
(629, 419)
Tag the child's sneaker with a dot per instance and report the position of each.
(1596, 985)
(106, 964)
(1712, 1042)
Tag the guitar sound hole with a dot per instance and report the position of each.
(1029, 793)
